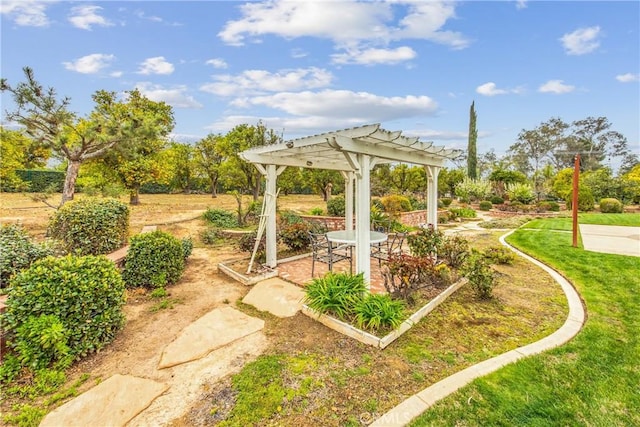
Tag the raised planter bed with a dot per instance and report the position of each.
(382, 342)
(236, 269)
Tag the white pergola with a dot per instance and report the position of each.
(353, 152)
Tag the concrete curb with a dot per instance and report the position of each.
(415, 405)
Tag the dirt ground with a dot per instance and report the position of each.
(352, 375)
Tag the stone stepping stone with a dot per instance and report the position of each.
(212, 331)
(280, 298)
(113, 402)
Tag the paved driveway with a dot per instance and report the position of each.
(612, 239)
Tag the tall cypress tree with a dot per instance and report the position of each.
(472, 156)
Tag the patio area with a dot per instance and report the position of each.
(299, 272)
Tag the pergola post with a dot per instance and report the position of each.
(349, 178)
(363, 213)
(432, 195)
(270, 212)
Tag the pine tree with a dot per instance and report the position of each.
(472, 157)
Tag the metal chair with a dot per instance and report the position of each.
(328, 253)
(393, 246)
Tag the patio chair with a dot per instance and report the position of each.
(328, 253)
(393, 246)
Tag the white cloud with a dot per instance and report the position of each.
(628, 77)
(347, 24)
(260, 81)
(490, 89)
(521, 4)
(374, 56)
(298, 53)
(339, 104)
(85, 16)
(556, 86)
(443, 135)
(26, 13)
(90, 64)
(175, 96)
(581, 41)
(217, 63)
(116, 74)
(156, 65)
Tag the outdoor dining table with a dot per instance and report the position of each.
(349, 237)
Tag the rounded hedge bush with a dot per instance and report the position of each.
(336, 206)
(17, 251)
(91, 226)
(154, 260)
(611, 205)
(396, 203)
(496, 200)
(586, 201)
(73, 304)
(220, 218)
(485, 205)
(446, 201)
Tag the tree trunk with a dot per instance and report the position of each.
(134, 196)
(214, 190)
(256, 193)
(73, 168)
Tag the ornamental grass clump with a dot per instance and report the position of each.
(335, 293)
(375, 312)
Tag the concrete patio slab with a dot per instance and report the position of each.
(280, 298)
(611, 239)
(218, 328)
(111, 403)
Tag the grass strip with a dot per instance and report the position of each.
(592, 380)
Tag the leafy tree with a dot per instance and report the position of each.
(380, 179)
(240, 173)
(448, 180)
(290, 181)
(209, 159)
(533, 146)
(180, 158)
(48, 120)
(603, 184)
(563, 183)
(472, 157)
(593, 139)
(486, 163)
(318, 180)
(631, 184)
(137, 161)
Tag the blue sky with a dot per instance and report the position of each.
(310, 67)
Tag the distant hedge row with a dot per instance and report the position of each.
(37, 181)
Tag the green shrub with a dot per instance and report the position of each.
(499, 255)
(611, 205)
(336, 206)
(396, 203)
(446, 201)
(485, 205)
(63, 308)
(480, 275)
(335, 293)
(376, 203)
(376, 311)
(289, 217)
(426, 242)
(154, 260)
(220, 218)
(496, 200)
(454, 250)
(91, 226)
(187, 247)
(296, 236)
(554, 206)
(210, 236)
(17, 251)
(586, 201)
(463, 212)
(520, 192)
(317, 211)
(473, 189)
(39, 181)
(247, 243)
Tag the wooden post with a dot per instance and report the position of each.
(574, 201)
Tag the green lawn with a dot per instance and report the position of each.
(592, 380)
(565, 223)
